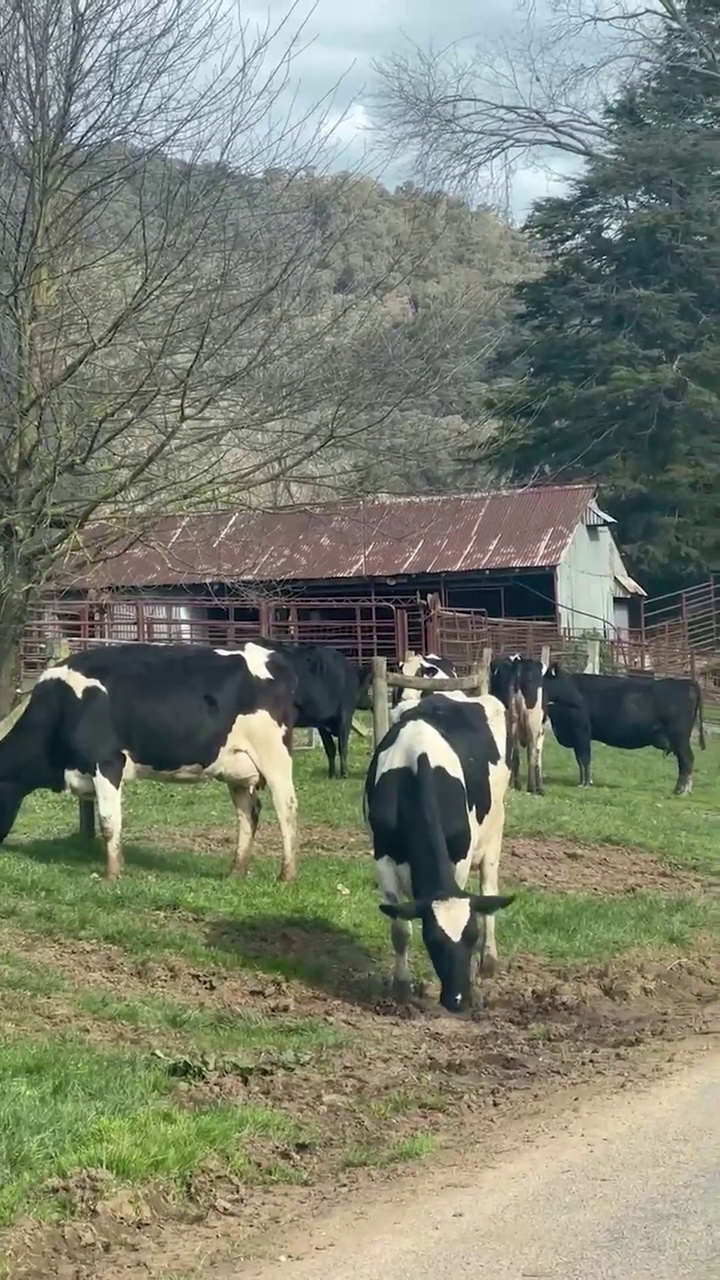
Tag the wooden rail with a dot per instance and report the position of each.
(478, 683)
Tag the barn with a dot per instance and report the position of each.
(375, 576)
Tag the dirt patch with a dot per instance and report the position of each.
(548, 862)
(313, 840)
(565, 866)
(545, 1028)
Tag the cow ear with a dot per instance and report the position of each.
(402, 910)
(487, 905)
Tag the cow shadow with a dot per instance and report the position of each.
(82, 852)
(313, 949)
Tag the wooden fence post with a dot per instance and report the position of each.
(545, 656)
(592, 667)
(381, 717)
(485, 671)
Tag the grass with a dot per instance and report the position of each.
(82, 1085)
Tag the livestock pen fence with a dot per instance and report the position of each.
(679, 635)
(669, 643)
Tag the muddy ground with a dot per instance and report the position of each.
(548, 1030)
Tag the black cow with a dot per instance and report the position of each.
(176, 713)
(429, 666)
(627, 712)
(435, 804)
(329, 691)
(519, 684)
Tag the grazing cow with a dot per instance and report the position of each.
(424, 667)
(176, 713)
(519, 684)
(435, 804)
(329, 691)
(628, 712)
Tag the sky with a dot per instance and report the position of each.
(343, 38)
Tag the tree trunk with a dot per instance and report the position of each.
(12, 621)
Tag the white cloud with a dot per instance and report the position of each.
(343, 37)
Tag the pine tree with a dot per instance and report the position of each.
(617, 354)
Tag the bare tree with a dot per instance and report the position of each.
(158, 349)
(469, 115)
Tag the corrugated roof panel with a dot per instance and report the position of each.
(507, 529)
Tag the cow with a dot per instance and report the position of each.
(329, 691)
(434, 802)
(519, 684)
(628, 712)
(424, 667)
(175, 713)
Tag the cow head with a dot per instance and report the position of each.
(430, 667)
(560, 688)
(504, 677)
(450, 932)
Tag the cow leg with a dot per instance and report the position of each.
(401, 934)
(582, 755)
(330, 750)
(685, 757)
(539, 763)
(247, 812)
(515, 765)
(277, 771)
(108, 795)
(489, 868)
(534, 784)
(343, 737)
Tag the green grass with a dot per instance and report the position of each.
(65, 1108)
(75, 1099)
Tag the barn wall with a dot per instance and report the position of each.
(585, 581)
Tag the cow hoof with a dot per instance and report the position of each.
(488, 966)
(401, 992)
(287, 875)
(238, 869)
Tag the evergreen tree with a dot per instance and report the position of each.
(617, 354)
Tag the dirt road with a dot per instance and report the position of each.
(625, 1190)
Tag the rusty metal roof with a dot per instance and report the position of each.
(379, 538)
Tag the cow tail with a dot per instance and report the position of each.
(701, 727)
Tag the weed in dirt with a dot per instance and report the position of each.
(415, 1147)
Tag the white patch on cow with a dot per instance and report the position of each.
(109, 807)
(79, 784)
(416, 738)
(544, 668)
(74, 680)
(256, 658)
(452, 914)
(394, 880)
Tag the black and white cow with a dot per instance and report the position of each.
(329, 691)
(176, 713)
(628, 712)
(427, 666)
(435, 804)
(519, 684)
